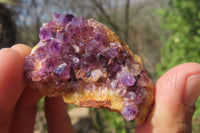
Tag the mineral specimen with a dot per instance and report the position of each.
(87, 64)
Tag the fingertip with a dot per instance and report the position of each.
(174, 80)
(11, 62)
(4, 52)
(11, 69)
(189, 68)
(22, 49)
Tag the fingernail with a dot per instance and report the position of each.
(192, 90)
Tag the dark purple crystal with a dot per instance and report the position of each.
(113, 68)
(64, 19)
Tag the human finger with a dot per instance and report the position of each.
(29, 96)
(22, 49)
(11, 84)
(175, 95)
(58, 120)
(23, 119)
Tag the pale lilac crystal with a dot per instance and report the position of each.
(75, 62)
(131, 96)
(111, 53)
(84, 63)
(60, 36)
(94, 47)
(127, 79)
(129, 112)
(122, 91)
(40, 53)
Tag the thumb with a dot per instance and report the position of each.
(175, 95)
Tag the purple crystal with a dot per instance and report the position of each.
(113, 68)
(55, 15)
(40, 53)
(64, 19)
(94, 47)
(68, 50)
(50, 63)
(60, 36)
(100, 60)
(122, 91)
(66, 73)
(129, 112)
(54, 46)
(59, 69)
(29, 63)
(101, 38)
(85, 66)
(127, 79)
(131, 96)
(77, 22)
(111, 53)
(41, 75)
(75, 62)
(44, 34)
(143, 80)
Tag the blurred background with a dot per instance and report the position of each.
(164, 33)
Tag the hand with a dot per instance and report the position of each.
(175, 95)
(18, 102)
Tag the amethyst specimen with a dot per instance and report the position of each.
(87, 64)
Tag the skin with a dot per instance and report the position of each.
(175, 96)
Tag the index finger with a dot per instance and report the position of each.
(11, 82)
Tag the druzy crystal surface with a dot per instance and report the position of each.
(83, 61)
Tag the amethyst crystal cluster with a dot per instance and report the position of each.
(76, 56)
